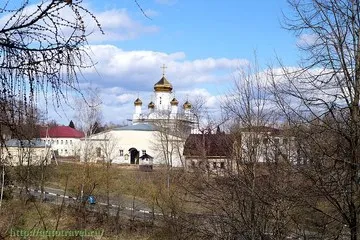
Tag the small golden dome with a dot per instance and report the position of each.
(163, 85)
(174, 102)
(138, 102)
(151, 105)
(187, 105)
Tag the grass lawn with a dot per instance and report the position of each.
(121, 181)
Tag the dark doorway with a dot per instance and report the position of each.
(134, 156)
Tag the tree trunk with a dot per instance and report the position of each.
(2, 185)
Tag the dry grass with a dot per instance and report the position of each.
(18, 215)
(122, 181)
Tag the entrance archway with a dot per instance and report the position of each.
(134, 156)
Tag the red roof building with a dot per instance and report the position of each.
(61, 132)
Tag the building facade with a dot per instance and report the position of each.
(25, 152)
(221, 151)
(64, 140)
(126, 145)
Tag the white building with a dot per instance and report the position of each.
(256, 144)
(25, 152)
(64, 140)
(266, 144)
(160, 132)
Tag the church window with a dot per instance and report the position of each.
(98, 152)
(121, 153)
(143, 152)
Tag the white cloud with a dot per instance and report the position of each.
(306, 39)
(139, 70)
(123, 75)
(118, 25)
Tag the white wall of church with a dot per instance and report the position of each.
(115, 146)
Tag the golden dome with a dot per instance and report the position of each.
(163, 85)
(151, 105)
(187, 105)
(174, 102)
(138, 102)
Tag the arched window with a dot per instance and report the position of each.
(98, 152)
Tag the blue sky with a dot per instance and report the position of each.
(201, 42)
(216, 29)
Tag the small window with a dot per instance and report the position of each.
(62, 142)
(276, 141)
(222, 165)
(121, 153)
(214, 165)
(207, 165)
(160, 100)
(65, 150)
(285, 141)
(143, 152)
(57, 141)
(66, 141)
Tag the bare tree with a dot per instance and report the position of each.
(87, 113)
(108, 145)
(242, 200)
(43, 49)
(320, 100)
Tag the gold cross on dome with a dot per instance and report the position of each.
(163, 68)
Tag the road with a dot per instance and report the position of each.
(132, 208)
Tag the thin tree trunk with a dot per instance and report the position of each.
(2, 185)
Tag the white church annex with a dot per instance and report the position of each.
(160, 132)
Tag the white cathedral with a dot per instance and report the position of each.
(156, 136)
